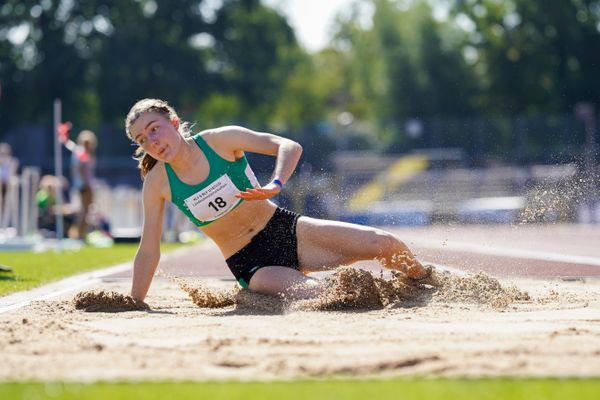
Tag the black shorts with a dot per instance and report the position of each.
(275, 245)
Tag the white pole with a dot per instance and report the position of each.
(10, 214)
(13, 191)
(58, 170)
(25, 189)
(30, 180)
(35, 184)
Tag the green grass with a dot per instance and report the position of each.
(34, 269)
(430, 389)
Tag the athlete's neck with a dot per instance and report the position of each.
(185, 157)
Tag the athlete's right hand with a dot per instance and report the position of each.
(262, 193)
(63, 132)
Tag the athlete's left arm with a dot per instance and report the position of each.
(287, 152)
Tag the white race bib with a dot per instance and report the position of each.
(214, 201)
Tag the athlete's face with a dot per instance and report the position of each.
(157, 135)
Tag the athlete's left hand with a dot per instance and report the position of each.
(261, 193)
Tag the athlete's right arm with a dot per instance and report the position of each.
(148, 253)
(69, 144)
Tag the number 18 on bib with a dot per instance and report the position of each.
(214, 201)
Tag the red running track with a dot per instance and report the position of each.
(526, 251)
(567, 251)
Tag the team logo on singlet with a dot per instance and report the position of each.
(214, 201)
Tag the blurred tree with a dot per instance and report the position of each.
(98, 56)
(237, 59)
(533, 57)
(41, 60)
(407, 65)
(302, 97)
(260, 62)
(156, 49)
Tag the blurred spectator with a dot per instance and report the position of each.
(46, 202)
(8, 167)
(83, 165)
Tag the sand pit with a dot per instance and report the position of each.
(355, 289)
(539, 328)
(101, 301)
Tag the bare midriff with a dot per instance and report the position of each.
(234, 230)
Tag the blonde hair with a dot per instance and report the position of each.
(87, 136)
(145, 161)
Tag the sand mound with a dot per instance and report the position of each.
(101, 301)
(479, 288)
(347, 289)
(253, 302)
(356, 289)
(208, 298)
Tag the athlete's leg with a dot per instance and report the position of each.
(324, 244)
(86, 202)
(284, 281)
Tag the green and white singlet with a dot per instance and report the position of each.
(214, 197)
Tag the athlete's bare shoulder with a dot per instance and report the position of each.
(223, 132)
(156, 182)
(208, 133)
(222, 141)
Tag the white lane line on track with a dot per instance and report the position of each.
(507, 252)
(21, 299)
(71, 284)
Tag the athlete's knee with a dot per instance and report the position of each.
(384, 242)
